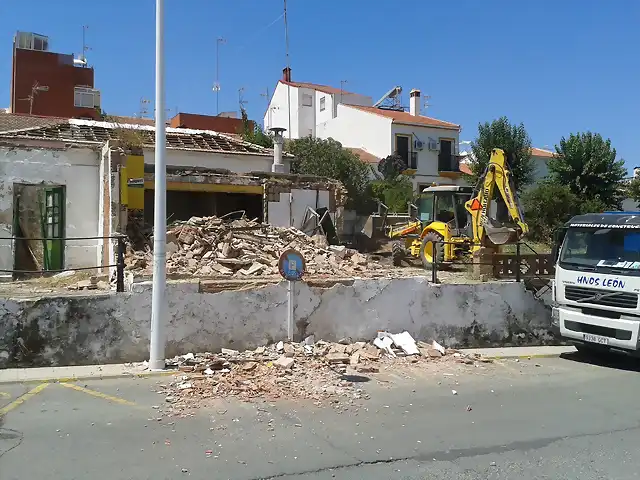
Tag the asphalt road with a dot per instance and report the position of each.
(562, 419)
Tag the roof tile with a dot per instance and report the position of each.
(406, 118)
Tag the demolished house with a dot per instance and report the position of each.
(69, 184)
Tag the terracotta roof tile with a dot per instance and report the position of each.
(406, 118)
(364, 155)
(96, 133)
(16, 121)
(131, 120)
(315, 86)
(539, 152)
(464, 168)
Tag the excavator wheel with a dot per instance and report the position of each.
(426, 249)
(397, 253)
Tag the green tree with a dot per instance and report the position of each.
(514, 140)
(632, 190)
(327, 158)
(548, 205)
(587, 164)
(253, 133)
(392, 188)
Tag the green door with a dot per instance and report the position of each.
(52, 223)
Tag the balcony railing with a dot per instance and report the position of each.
(410, 160)
(449, 163)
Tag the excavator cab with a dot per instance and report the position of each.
(445, 204)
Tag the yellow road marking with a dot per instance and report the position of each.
(4, 395)
(94, 393)
(20, 400)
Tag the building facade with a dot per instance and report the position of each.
(50, 84)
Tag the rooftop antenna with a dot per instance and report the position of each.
(241, 101)
(144, 109)
(216, 85)
(288, 62)
(342, 84)
(425, 102)
(82, 59)
(35, 89)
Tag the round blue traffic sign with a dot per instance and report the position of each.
(291, 265)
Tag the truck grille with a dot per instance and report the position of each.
(608, 299)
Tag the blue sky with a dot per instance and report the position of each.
(559, 66)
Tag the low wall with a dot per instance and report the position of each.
(110, 328)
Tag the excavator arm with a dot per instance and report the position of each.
(497, 174)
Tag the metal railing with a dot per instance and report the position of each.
(448, 163)
(509, 265)
(119, 265)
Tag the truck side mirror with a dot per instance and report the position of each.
(558, 238)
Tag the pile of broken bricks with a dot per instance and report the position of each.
(212, 246)
(318, 371)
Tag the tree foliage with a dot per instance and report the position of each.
(632, 190)
(391, 167)
(253, 133)
(327, 158)
(587, 164)
(514, 140)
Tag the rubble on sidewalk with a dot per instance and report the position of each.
(320, 371)
(212, 246)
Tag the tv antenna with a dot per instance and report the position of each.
(35, 90)
(216, 85)
(241, 101)
(82, 59)
(342, 84)
(144, 109)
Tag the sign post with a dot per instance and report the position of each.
(291, 266)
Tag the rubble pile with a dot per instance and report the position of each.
(212, 246)
(319, 371)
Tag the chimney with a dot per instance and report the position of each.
(286, 74)
(278, 141)
(414, 102)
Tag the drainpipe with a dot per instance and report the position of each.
(278, 142)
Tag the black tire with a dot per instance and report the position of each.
(397, 253)
(426, 248)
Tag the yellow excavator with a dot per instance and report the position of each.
(456, 219)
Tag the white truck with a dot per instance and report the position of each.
(597, 282)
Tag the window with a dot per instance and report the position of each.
(403, 148)
(86, 97)
(307, 100)
(322, 103)
(448, 161)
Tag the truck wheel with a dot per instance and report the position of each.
(426, 249)
(397, 253)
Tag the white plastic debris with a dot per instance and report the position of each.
(208, 371)
(438, 347)
(406, 342)
(455, 392)
(384, 342)
(188, 356)
(184, 385)
(280, 346)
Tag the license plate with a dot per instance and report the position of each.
(587, 337)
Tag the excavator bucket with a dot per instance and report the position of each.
(367, 230)
(501, 235)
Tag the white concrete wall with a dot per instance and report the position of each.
(235, 163)
(327, 114)
(358, 129)
(115, 328)
(279, 116)
(290, 210)
(541, 168)
(76, 169)
(306, 114)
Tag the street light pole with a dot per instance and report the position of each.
(158, 301)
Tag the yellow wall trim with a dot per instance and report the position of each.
(208, 187)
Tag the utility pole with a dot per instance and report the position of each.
(216, 86)
(265, 94)
(241, 101)
(288, 62)
(158, 299)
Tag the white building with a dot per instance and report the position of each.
(67, 183)
(429, 146)
(539, 156)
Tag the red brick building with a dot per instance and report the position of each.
(50, 84)
(209, 122)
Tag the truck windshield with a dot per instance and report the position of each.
(601, 248)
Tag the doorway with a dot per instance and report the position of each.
(38, 226)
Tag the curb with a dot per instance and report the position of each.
(527, 357)
(89, 377)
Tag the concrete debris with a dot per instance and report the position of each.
(212, 246)
(319, 371)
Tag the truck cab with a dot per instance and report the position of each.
(597, 282)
